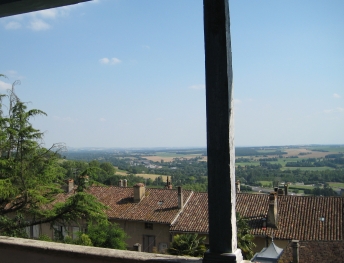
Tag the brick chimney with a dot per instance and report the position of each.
(139, 192)
(286, 186)
(70, 185)
(237, 186)
(272, 220)
(180, 198)
(168, 184)
(280, 192)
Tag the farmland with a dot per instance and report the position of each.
(188, 167)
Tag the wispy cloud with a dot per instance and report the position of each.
(4, 85)
(12, 74)
(110, 61)
(38, 25)
(12, 25)
(199, 86)
(336, 110)
(37, 21)
(102, 120)
(337, 96)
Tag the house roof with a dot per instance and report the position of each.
(158, 205)
(194, 217)
(315, 251)
(300, 217)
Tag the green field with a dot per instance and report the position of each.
(333, 149)
(336, 185)
(308, 168)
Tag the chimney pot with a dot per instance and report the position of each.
(280, 192)
(286, 186)
(237, 186)
(120, 183)
(125, 183)
(272, 212)
(295, 245)
(180, 198)
(70, 185)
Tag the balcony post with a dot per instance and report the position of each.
(220, 136)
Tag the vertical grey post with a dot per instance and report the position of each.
(220, 147)
(295, 245)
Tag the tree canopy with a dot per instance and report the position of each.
(31, 177)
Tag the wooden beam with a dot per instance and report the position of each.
(220, 134)
(16, 7)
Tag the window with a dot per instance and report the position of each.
(32, 231)
(76, 231)
(149, 226)
(60, 232)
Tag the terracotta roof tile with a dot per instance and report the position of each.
(299, 216)
(194, 217)
(158, 205)
(316, 251)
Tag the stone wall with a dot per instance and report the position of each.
(14, 250)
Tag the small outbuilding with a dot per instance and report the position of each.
(269, 254)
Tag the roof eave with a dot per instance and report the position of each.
(16, 7)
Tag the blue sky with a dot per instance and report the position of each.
(130, 73)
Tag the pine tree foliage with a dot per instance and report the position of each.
(30, 176)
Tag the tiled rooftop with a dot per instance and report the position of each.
(158, 205)
(300, 217)
(316, 251)
(194, 217)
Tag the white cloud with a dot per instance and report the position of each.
(335, 95)
(36, 21)
(102, 119)
(115, 61)
(48, 13)
(4, 85)
(338, 109)
(159, 119)
(104, 60)
(200, 86)
(112, 61)
(13, 75)
(146, 47)
(12, 25)
(38, 25)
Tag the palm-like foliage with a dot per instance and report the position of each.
(244, 237)
(187, 245)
